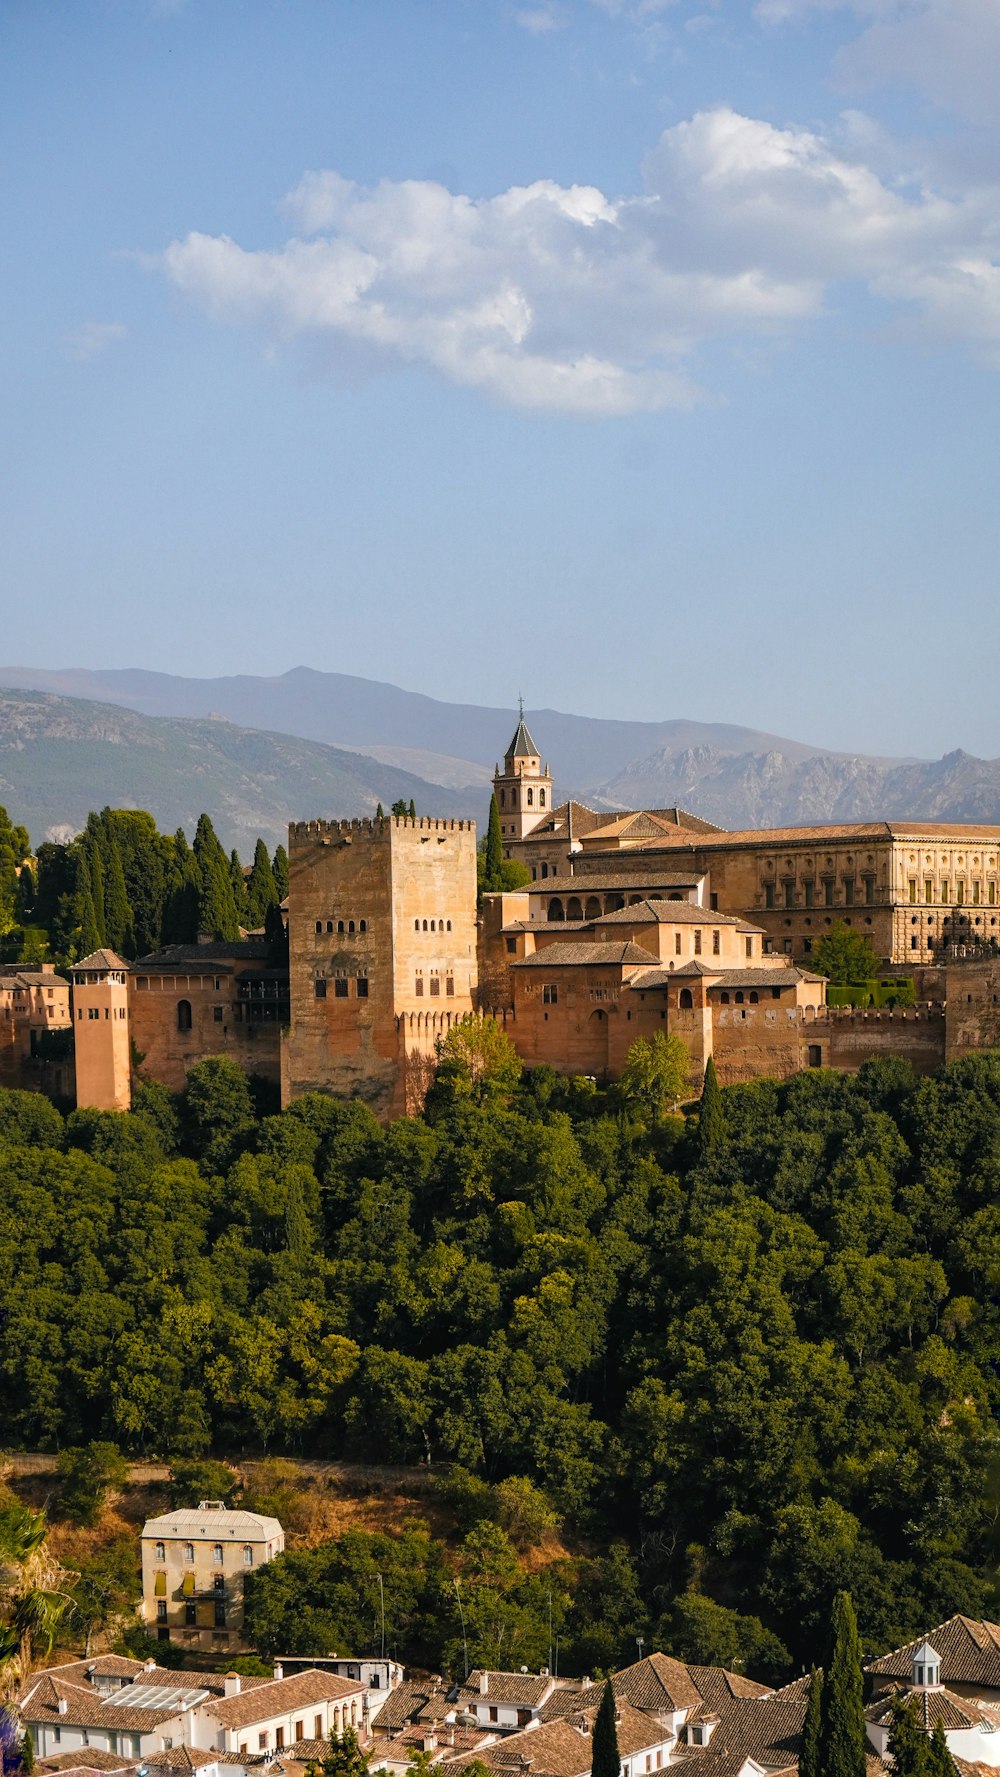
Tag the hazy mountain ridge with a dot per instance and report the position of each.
(769, 789)
(61, 757)
(257, 752)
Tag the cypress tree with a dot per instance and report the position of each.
(216, 906)
(711, 1116)
(117, 912)
(843, 1740)
(493, 863)
(26, 891)
(939, 1760)
(239, 883)
(413, 809)
(908, 1744)
(605, 1759)
(97, 890)
(380, 813)
(280, 869)
(180, 913)
(261, 890)
(809, 1755)
(83, 907)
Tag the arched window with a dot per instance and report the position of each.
(350, 925)
(433, 926)
(416, 925)
(531, 798)
(362, 925)
(593, 907)
(425, 925)
(340, 928)
(685, 1000)
(319, 925)
(503, 799)
(247, 1555)
(183, 1014)
(574, 909)
(556, 908)
(739, 996)
(448, 924)
(754, 997)
(724, 999)
(329, 925)
(541, 798)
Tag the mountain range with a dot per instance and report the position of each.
(259, 751)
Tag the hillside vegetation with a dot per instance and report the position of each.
(741, 1362)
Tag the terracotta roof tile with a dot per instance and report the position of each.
(277, 1696)
(594, 955)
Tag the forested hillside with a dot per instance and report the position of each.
(745, 1362)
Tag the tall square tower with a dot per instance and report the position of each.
(382, 954)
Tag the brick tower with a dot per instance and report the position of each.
(523, 789)
(382, 954)
(101, 1032)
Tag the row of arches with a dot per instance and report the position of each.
(582, 907)
(344, 928)
(529, 799)
(434, 925)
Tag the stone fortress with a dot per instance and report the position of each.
(633, 922)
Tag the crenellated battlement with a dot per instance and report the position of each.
(370, 827)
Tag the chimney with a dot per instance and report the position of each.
(585, 1684)
(484, 1683)
(62, 1706)
(232, 1684)
(149, 1665)
(279, 1670)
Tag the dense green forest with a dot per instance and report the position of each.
(123, 884)
(745, 1358)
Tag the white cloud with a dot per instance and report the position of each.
(566, 299)
(93, 338)
(947, 49)
(542, 20)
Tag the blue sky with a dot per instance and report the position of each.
(641, 357)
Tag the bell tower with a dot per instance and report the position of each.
(523, 788)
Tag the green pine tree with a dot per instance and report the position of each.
(843, 1740)
(809, 1755)
(280, 868)
(908, 1744)
(605, 1759)
(939, 1760)
(216, 906)
(117, 912)
(413, 809)
(380, 813)
(26, 891)
(298, 1229)
(180, 914)
(493, 861)
(711, 1116)
(262, 892)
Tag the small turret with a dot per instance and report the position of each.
(926, 1667)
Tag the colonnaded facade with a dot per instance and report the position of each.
(633, 922)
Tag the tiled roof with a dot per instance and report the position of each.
(526, 1689)
(776, 836)
(671, 913)
(212, 1522)
(99, 960)
(563, 1748)
(658, 1683)
(278, 1696)
(763, 1728)
(413, 1700)
(594, 881)
(87, 1707)
(97, 1760)
(522, 746)
(696, 969)
(181, 1758)
(185, 958)
(557, 826)
(561, 955)
(933, 1706)
(718, 1686)
(969, 1650)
